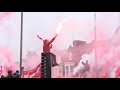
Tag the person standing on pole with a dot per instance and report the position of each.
(47, 45)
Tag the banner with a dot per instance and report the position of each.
(34, 73)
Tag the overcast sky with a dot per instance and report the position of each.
(78, 26)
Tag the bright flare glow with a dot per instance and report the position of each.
(59, 28)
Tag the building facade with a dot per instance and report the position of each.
(69, 66)
(57, 71)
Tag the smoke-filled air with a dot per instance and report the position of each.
(81, 44)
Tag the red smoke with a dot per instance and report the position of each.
(117, 72)
(9, 65)
(107, 55)
(104, 75)
(58, 76)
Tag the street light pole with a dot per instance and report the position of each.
(95, 41)
(21, 39)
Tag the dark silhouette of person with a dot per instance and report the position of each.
(47, 45)
(17, 74)
(2, 76)
(10, 74)
(14, 75)
(86, 67)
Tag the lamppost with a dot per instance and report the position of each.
(95, 41)
(21, 41)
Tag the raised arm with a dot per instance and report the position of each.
(40, 38)
(83, 63)
(52, 39)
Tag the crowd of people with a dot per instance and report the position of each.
(10, 74)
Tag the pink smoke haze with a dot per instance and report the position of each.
(108, 55)
(9, 63)
(7, 59)
(106, 58)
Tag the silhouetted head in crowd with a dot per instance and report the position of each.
(17, 71)
(17, 74)
(9, 71)
(14, 73)
(10, 74)
(2, 76)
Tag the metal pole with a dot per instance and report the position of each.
(95, 41)
(21, 39)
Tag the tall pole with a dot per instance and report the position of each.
(95, 41)
(21, 39)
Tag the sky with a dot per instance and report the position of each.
(78, 25)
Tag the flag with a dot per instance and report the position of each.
(34, 73)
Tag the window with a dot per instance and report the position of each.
(71, 67)
(66, 68)
(60, 70)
